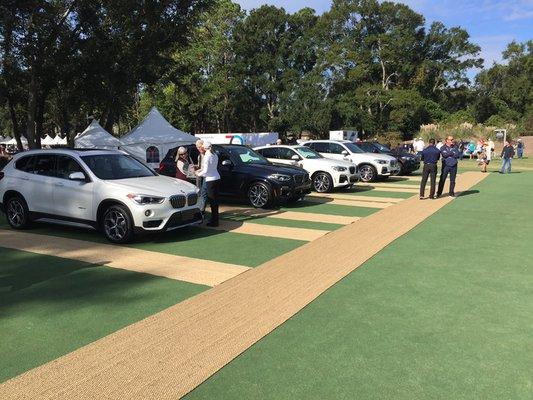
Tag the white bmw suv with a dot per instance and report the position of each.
(325, 174)
(370, 165)
(107, 190)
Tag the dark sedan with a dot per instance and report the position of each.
(408, 162)
(245, 174)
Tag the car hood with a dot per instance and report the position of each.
(277, 168)
(154, 185)
(328, 162)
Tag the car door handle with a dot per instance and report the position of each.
(59, 184)
(24, 179)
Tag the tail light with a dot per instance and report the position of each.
(161, 166)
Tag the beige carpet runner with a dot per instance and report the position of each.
(193, 270)
(168, 354)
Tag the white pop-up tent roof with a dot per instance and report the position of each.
(153, 137)
(47, 141)
(96, 137)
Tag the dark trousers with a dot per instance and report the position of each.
(212, 198)
(443, 175)
(430, 170)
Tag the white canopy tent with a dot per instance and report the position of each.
(47, 141)
(13, 141)
(153, 137)
(96, 137)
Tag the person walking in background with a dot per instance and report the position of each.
(491, 148)
(450, 154)
(507, 155)
(482, 157)
(199, 179)
(520, 148)
(430, 156)
(209, 172)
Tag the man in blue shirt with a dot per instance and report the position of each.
(450, 154)
(430, 156)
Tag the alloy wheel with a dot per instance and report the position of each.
(321, 183)
(258, 196)
(115, 225)
(366, 173)
(15, 213)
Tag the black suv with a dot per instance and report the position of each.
(408, 162)
(245, 174)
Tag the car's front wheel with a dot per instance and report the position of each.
(260, 195)
(17, 213)
(367, 173)
(322, 182)
(117, 224)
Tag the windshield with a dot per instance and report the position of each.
(353, 148)
(116, 166)
(308, 153)
(382, 147)
(368, 147)
(247, 156)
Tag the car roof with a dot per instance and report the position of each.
(328, 141)
(67, 151)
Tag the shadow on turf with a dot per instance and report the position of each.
(468, 192)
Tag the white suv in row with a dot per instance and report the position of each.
(107, 190)
(370, 165)
(325, 174)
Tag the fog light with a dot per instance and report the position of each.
(148, 213)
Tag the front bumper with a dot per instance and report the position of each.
(345, 179)
(284, 192)
(387, 170)
(163, 217)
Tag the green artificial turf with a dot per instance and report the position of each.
(51, 306)
(273, 221)
(191, 242)
(444, 312)
(379, 193)
(330, 209)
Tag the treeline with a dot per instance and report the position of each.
(210, 67)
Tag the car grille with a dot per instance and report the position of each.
(299, 179)
(352, 170)
(192, 199)
(178, 201)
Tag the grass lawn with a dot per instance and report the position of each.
(51, 306)
(444, 312)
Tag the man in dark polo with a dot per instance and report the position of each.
(450, 154)
(430, 156)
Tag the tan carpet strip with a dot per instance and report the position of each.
(349, 202)
(393, 188)
(202, 272)
(240, 211)
(346, 196)
(168, 354)
(249, 228)
(394, 185)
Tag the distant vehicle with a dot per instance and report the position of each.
(325, 173)
(408, 162)
(246, 174)
(107, 190)
(371, 166)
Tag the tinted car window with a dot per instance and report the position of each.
(368, 147)
(269, 152)
(320, 147)
(286, 154)
(353, 148)
(247, 156)
(25, 163)
(44, 164)
(335, 148)
(308, 153)
(67, 165)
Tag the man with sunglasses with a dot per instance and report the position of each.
(450, 154)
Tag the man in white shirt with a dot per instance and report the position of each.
(209, 172)
(419, 146)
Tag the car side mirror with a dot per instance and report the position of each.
(227, 163)
(344, 153)
(295, 157)
(375, 151)
(77, 176)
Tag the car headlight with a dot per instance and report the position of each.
(405, 158)
(280, 177)
(382, 161)
(338, 168)
(145, 198)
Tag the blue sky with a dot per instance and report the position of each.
(491, 24)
